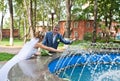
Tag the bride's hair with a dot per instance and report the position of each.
(39, 35)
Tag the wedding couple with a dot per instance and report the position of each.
(50, 43)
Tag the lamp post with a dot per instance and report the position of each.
(52, 15)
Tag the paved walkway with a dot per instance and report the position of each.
(10, 49)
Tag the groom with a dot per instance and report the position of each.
(53, 38)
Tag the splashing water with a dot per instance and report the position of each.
(111, 76)
(97, 62)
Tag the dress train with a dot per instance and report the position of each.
(25, 53)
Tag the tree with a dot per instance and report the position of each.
(1, 27)
(95, 21)
(11, 22)
(3, 10)
(34, 14)
(68, 18)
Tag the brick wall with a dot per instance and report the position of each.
(6, 33)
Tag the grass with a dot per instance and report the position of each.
(5, 42)
(17, 42)
(5, 56)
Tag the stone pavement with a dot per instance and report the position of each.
(34, 69)
(10, 49)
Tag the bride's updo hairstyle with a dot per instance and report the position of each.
(39, 35)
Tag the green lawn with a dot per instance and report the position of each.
(17, 42)
(5, 42)
(5, 56)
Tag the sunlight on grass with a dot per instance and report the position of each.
(17, 42)
(5, 56)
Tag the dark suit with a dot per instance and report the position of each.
(48, 40)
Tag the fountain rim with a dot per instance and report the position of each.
(107, 51)
(82, 63)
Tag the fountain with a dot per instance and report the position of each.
(88, 62)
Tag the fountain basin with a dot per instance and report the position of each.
(87, 66)
(34, 69)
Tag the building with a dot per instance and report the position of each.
(79, 28)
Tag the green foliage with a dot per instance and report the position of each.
(5, 56)
(77, 42)
(88, 36)
(44, 52)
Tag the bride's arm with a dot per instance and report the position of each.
(47, 48)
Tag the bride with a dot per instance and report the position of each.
(26, 52)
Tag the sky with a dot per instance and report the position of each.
(5, 18)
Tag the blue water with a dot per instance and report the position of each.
(88, 67)
(87, 74)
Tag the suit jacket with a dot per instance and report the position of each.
(48, 40)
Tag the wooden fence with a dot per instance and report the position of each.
(6, 33)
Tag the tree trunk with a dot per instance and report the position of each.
(95, 21)
(30, 19)
(34, 13)
(25, 30)
(106, 22)
(1, 27)
(29, 12)
(110, 17)
(106, 18)
(19, 24)
(68, 20)
(11, 22)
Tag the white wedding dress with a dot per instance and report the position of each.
(25, 53)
